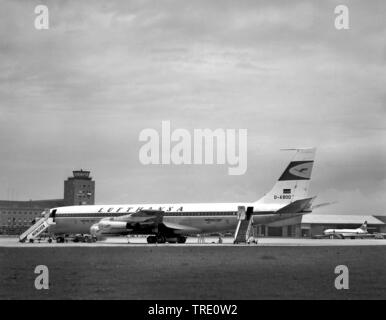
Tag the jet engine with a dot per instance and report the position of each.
(141, 222)
(109, 227)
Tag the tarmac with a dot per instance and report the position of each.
(12, 242)
(275, 268)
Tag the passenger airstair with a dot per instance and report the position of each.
(244, 225)
(38, 228)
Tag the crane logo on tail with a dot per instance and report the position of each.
(298, 170)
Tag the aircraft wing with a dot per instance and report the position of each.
(141, 216)
(297, 206)
(141, 221)
(176, 226)
(144, 220)
(146, 214)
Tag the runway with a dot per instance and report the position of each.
(12, 242)
(138, 271)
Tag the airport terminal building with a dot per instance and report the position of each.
(17, 216)
(310, 225)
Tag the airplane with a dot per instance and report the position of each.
(360, 232)
(174, 222)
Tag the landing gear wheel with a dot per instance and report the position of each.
(181, 239)
(49, 240)
(31, 240)
(161, 239)
(60, 240)
(151, 239)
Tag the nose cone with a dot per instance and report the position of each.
(94, 230)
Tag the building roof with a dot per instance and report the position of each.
(382, 218)
(32, 203)
(339, 219)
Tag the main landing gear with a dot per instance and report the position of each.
(60, 240)
(163, 239)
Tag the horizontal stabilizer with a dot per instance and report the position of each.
(296, 206)
(323, 204)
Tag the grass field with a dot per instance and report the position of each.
(194, 272)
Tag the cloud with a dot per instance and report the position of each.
(78, 94)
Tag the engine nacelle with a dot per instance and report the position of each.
(109, 227)
(112, 225)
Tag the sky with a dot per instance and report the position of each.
(78, 94)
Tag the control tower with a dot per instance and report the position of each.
(79, 189)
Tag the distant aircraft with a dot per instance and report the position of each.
(173, 222)
(360, 232)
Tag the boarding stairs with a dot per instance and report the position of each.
(37, 228)
(244, 225)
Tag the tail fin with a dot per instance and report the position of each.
(294, 182)
(363, 226)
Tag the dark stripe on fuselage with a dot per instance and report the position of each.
(168, 214)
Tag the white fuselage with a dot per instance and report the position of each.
(345, 232)
(183, 218)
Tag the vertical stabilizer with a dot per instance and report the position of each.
(363, 226)
(294, 182)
